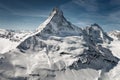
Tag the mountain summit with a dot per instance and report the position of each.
(57, 11)
(56, 24)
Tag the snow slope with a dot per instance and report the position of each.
(6, 45)
(10, 39)
(59, 50)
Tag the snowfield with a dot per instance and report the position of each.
(59, 50)
(6, 45)
(10, 39)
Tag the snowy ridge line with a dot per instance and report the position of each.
(41, 27)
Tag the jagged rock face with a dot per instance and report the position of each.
(58, 25)
(96, 34)
(59, 50)
(92, 56)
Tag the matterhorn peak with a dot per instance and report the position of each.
(57, 11)
(57, 24)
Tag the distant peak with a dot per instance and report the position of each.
(96, 26)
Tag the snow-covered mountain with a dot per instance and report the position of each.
(115, 34)
(96, 34)
(57, 25)
(13, 35)
(115, 44)
(9, 39)
(59, 50)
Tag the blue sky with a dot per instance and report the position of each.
(29, 14)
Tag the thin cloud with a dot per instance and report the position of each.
(83, 23)
(26, 11)
(114, 17)
(31, 14)
(115, 2)
(89, 5)
(6, 8)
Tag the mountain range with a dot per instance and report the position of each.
(59, 50)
